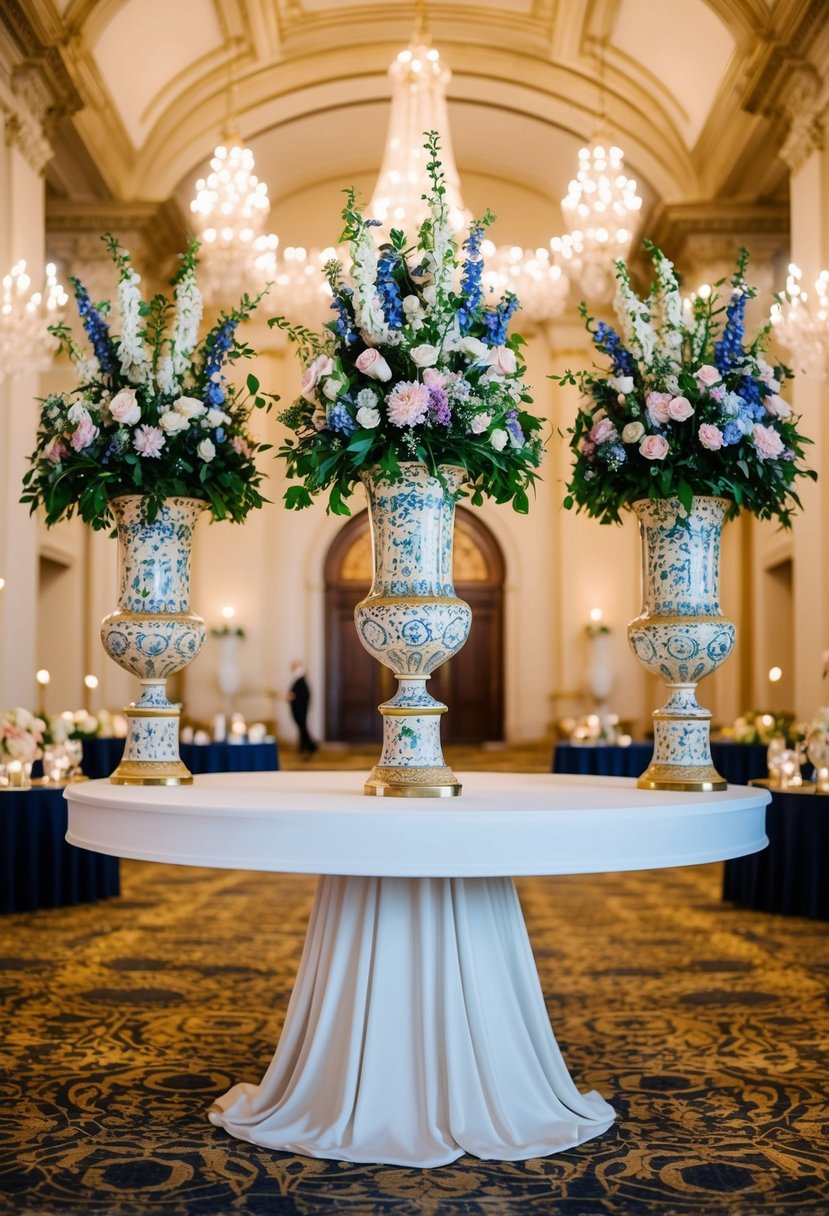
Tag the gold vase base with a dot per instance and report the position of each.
(152, 772)
(694, 778)
(393, 782)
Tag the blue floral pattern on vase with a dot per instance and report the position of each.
(153, 634)
(681, 634)
(412, 620)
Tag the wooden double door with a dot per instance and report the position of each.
(471, 683)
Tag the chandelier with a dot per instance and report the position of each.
(25, 315)
(600, 211)
(801, 329)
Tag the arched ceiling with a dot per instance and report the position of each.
(692, 89)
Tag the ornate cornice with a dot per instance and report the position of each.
(674, 224)
(153, 232)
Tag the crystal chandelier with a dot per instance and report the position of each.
(419, 82)
(803, 329)
(25, 315)
(600, 211)
(229, 211)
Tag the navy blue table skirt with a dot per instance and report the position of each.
(38, 869)
(101, 757)
(790, 875)
(739, 763)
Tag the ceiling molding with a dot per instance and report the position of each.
(154, 232)
(674, 225)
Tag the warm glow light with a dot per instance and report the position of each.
(803, 328)
(2, 583)
(595, 614)
(91, 681)
(228, 612)
(775, 674)
(42, 676)
(25, 342)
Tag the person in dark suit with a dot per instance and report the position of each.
(299, 697)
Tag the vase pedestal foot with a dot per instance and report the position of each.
(391, 782)
(691, 777)
(151, 748)
(682, 746)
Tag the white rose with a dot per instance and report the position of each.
(217, 418)
(501, 361)
(622, 384)
(411, 304)
(332, 387)
(473, 348)
(172, 422)
(633, 432)
(479, 423)
(425, 355)
(189, 407)
(124, 407)
(206, 450)
(78, 413)
(430, 294)
(499, 439)
(368, 417)
(21, 748)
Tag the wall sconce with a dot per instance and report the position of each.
(42, 676)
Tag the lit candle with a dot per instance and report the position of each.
(42, 676)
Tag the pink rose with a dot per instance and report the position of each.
(85, 432)
(432, 378)
(657, 407)
(767, 442)
(654, 447)
(408, 403)
(717, 392)
(241, 446)
(603, 431)
(57, 451)
(710, 436)
(372, 364)
(777, 407)
(501, 361)
(680, 409)
(124, 407)
(707, 375)
(588, 449)
(323, 365)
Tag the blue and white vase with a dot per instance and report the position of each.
(681, 633)
(153, 634)
(412, 621)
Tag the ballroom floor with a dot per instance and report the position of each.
(704, 1025)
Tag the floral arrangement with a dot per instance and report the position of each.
(152, 413)
(416, 366)
(227, 631)
(689, 406)
(83, 725)
(21, 735)
(756, 727)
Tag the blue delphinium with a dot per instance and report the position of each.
(609, 343)
(732, 432)
(343, 324)
(96, 327)
(217, 344)
(388, 290)
(473, 269)
(496, 320)
(514, 428)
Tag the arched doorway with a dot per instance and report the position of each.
(471, 684)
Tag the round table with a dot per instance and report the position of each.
(416, 1030)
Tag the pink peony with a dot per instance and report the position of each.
(588, 449)
(85, 433)
(323, 365)
(603, 431)
(407, 404)
(148, 440)
(654, 447)
(57, 451)
(657, 407)
(710, 436)
(680, 409)
(241, 446)
(707, 375)
(372, 364)
(435, 379)
(767, 442)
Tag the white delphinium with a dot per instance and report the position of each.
(368, 309)
(667, 314)
(189, 309)
(132, 356)
(634, 317)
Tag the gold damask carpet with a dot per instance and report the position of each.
(705, 1026)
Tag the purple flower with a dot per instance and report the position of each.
(440, 411)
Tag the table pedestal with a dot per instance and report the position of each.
(416, 1032)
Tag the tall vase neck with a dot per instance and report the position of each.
(412, 520)
(681, 555)
(154, 556)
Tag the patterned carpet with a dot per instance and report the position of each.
(705, 1026)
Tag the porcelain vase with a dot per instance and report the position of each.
(412, 621)
(153, 633)
(681, 633)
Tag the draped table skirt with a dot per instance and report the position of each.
(416, 1032)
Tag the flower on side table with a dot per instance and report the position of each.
(21, 735)
(153, 412)
(416, 366)
(688, 406)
